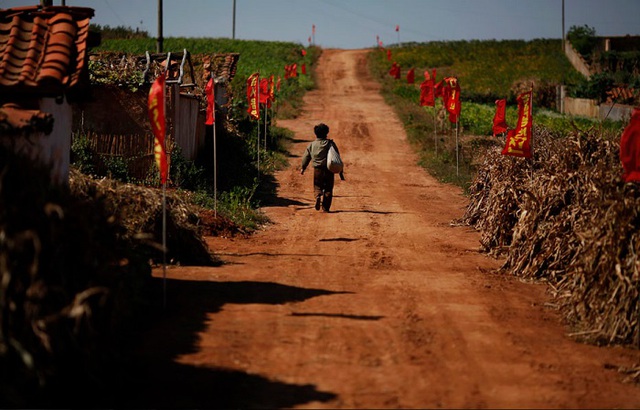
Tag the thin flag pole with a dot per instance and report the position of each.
(531, 136)
(457, 166)
(258, 104)
(435, 133)
(265, 126)
(215, 154)
(164, 198)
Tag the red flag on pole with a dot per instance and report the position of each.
(427, 91)
(518, 142)
(253, 84)
(499, 119)
(208, 90)
(392, 70)
(158, 125)
(303, 69)
(630, 148)
(397, 27)
(388, 53)
(304, 52)
(452, 98)
(411, 76)
(264, 91)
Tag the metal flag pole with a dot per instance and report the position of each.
(265, 126)
(435, 133)
(215, 154)
(531, 136)
(164, 197)
(457, 166)
(258, 106)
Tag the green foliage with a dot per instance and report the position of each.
(101, 72)
(82, 155)
(237, 204)
(486, 70)
(107, 32)
(185, 174)
(428, 127)
(116, 167)
(583, 39)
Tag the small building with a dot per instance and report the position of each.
(43, 66)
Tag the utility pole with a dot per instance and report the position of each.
(563, 35)
(159, 41)
(233, 34)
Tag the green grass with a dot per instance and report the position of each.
(487, 71)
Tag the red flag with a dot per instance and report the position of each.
(304, 52)
(499, 119)
(630, 148)
(397, 27)
(395, 71)
(388, 53)
(303, 69)
(518, 142)
(208, 90)
(264, 91)
(309, 39)
(411, 76)
(452, 98)
(294, 70)
(253, 89)
(427, 92)
(380, 43)
(272, 91)
(287, 71)
(158, 125)
(313, 29)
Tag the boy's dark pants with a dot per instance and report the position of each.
(323, 186)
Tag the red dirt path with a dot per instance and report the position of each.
(379, 304)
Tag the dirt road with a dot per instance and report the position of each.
(380, 303)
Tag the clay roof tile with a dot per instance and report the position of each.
(42, 49)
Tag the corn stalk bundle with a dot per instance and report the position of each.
(494, 202)
(566, 217)
(601, 295)
(139, 212)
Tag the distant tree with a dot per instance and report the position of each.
(583, 39)
(119, 32)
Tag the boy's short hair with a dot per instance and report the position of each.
(321, 130)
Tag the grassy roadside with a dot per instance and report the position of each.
(431, 134)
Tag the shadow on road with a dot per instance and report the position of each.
(154, 379)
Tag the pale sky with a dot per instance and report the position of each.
(356, 23)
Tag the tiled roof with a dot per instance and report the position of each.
(223, 65)
(42, 49)
(15, 120)
(226, 65)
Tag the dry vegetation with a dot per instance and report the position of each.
(567, 218)
(75, 270)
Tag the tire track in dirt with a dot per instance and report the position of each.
(379, 304)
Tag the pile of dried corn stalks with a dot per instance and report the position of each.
(565, 216)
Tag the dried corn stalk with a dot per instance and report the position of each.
(565, 217)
